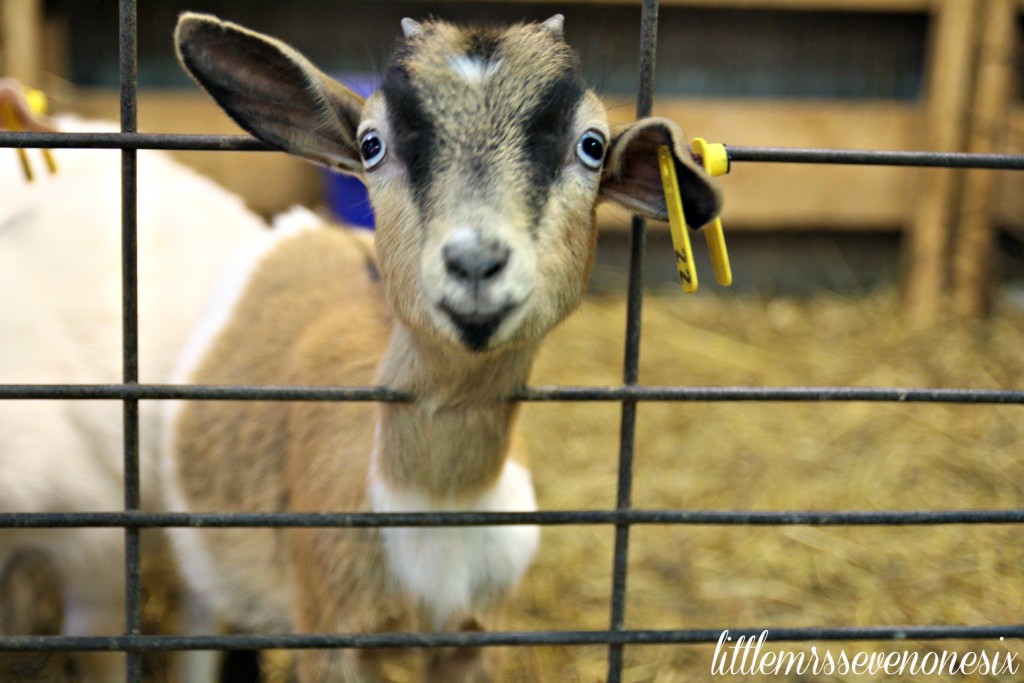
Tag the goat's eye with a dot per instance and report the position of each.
(590, 149)
(371, 149)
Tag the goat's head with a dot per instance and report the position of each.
(484, 153)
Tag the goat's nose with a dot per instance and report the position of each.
(475, 261)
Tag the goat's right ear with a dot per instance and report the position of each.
(272, 91)
(632, 174)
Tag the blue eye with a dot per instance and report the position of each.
(371, 149)
(590, 149)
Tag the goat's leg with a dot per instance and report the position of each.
(198, 666)
(342, 586)
(460, 664)
(29, 586)
(337, 666)
(91, 564)
(30, 604)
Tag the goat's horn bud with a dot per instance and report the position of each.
(411, 27)
(555, 24)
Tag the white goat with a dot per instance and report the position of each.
(60, 322)
(485, 155)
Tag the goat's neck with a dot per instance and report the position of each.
(451, 441)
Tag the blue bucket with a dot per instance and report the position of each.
(347, 199)
(346, 195)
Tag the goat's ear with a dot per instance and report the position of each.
(632, 175)
(272, 91)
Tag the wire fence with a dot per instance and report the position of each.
(737, 153)
(624, 516)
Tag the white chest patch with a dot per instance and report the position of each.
(473, 69)
(452, 570)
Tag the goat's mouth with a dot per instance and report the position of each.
(476, 328)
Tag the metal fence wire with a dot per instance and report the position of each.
(616, 637)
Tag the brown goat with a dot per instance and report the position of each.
(485, 155)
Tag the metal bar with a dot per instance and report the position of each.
(774, 394)
(631, 360)
(737, 153)
(128, 67)
(171, 141)
(634, 517)
(153, 643)
(870, 157)
(199, 392)
(102, 392)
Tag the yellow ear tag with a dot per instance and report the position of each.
(38, 103)
(9, 118)
(11, 123)
(677, 221)
(715, 159)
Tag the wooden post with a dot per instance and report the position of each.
(20, 40)
(954, 29)
(975, 235)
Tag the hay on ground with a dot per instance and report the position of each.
(768, 456)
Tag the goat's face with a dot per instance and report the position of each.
(484, 154)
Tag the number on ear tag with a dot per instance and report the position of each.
(677, 221)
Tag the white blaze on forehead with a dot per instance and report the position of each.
(473, 69)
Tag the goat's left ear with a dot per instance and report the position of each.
(632, 174)
(272, 91)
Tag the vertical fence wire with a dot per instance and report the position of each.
(128, 67)
(631, 361)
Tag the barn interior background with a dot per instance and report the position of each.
(845, 276)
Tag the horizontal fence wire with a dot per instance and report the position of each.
(152, 643)
(629, 516)
(596, 394)
(737, 153)
(866, 157)
(165, 141)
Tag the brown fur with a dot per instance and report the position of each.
(313, 313)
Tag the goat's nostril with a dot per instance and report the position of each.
(496, 267)
(475, 262)
(455, 269)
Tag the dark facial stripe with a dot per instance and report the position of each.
(547, 135)
(413, 131)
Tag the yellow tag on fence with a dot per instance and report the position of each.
(20, 110)
(10, 122)
(715, 160)
(38, 103)
(677, 221)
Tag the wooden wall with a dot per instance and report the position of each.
(938, 75)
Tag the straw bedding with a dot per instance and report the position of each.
(761, 456)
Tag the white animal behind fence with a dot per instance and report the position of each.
(60, 323)
(484, 154)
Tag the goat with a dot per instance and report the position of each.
(484, 154)
(60, 323)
